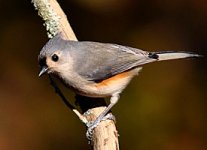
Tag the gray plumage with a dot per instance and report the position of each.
(96, 69)
(98, 61)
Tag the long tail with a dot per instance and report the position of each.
(167, 55)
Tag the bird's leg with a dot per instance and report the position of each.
(91, 125)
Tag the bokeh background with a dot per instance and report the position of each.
(165, 108)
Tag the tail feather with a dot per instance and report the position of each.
(168, 55)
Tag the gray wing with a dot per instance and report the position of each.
(97, 61)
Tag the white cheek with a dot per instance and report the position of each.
(62, 68)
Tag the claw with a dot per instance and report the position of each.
(93, 124)
(109, 116)
(89, 133)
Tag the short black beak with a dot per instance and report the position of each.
(43, 70)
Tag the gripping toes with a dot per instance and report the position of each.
(93, 124)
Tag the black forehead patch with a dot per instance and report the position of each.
(42, 61)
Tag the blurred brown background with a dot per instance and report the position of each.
(165, 108)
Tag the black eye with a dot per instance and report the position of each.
(55, 57)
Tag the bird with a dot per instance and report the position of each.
(98, 70)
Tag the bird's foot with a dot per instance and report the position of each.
(93, 124)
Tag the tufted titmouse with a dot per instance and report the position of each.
(95, 69)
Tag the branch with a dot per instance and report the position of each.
(54, 19)
(105, 136)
